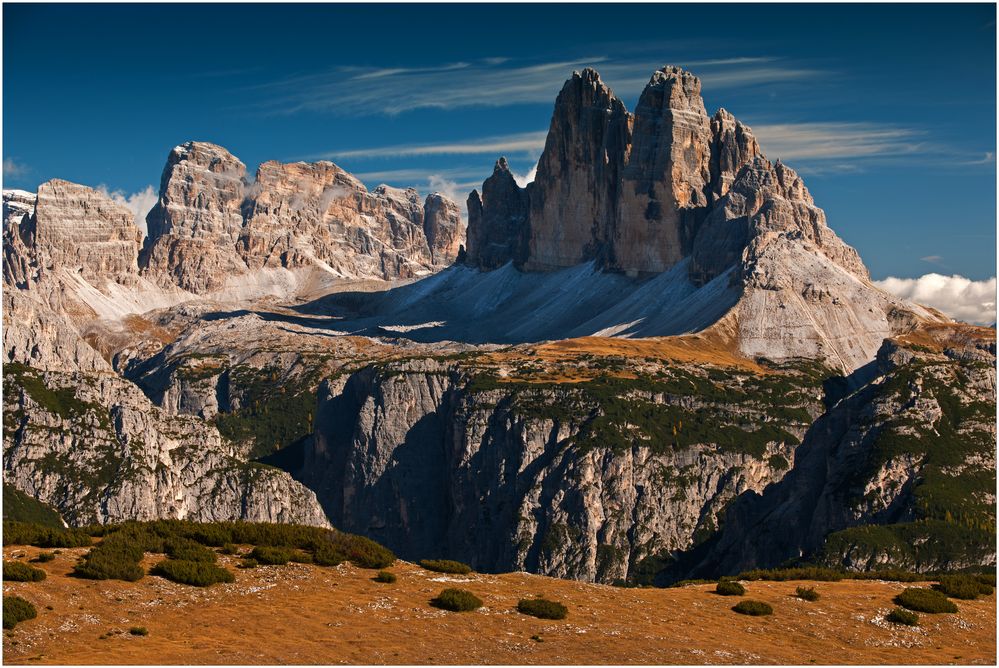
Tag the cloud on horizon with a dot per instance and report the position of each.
(957, 296)
(13, 169)
(139, 202)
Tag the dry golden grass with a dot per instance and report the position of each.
(308, 615)
(938, 336)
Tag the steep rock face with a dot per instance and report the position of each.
(443, 228)
(524, 477)
(497, 221)
(732, 147)
(667, 175)
(301, 214)
(211, 232)
(78, 229)
(193, 228)
(899, 474)
(93, 446)
(575, 193)
(19, 262)
(35, 335)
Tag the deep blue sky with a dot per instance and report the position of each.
(888, 111)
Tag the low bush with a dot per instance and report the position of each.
(24, 533)
(754, 608)
(784, 574)
(43, 557)
(729, 588)
(966, 587)
(229, 549)
(542, 608)
(139, 631)
(15, 571)
(902, 616)
(807, 593)
(196, 573)
(272, 556)
(328, 555)
(185, 549)
(247, 563)
(925, 600)
(301, 557)
(987, 579)
(456, 600)
(16, 610)
(695, 581)
(116, 557)
(445, 566)
(385, 576)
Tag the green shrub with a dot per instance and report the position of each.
(754, 608)
(196, 573)
(328, 555)
(987, 579)
(15, 571)
(139, 631)
(445, 566)
(784, 574)
(924, 600)
(301, 557)
(20, 507)
(185, 549)
(247, 563)
(542, 608)
(117, 557)
(16, 610)
(456, 600)
(364, 552)
(966, 587)
(807, 593)
(385, 576)
(902, 616)
(729, 588)
(24, 533)
(273, 556)
(44, 557)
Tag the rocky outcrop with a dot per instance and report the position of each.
(508, 475)
(193, 228)
(732, 147)
(574, 196)
(667, 176)
(443, 228)
(211, 231)
(19, 262)
(497, 221)
(92, 446)
(899, 474)
(81, 230)
(671, 190)
(302, 215)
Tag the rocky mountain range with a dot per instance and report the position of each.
(655, 361)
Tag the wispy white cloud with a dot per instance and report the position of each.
(523, 179)
(139, 202)
(491, 82)
(526, 143)
(13, 169)
(836, 141)
(957, 296)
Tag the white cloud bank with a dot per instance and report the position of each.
(140, 202)
(957, 296)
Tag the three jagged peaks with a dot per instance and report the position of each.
(718, 236)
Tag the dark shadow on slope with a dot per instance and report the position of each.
(791, 518)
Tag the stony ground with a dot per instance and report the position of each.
(299, 614)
